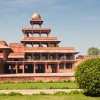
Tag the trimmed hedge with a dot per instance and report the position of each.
(87, 75)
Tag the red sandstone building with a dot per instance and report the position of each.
(38, 52)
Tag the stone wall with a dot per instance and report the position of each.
(36, 77)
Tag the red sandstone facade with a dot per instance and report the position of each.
(36, 54)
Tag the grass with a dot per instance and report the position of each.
(42, 96)
(22, 86)
(49, 97)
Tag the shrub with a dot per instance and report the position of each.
(87, 75)
(14, 94)
(65, 88)
(39, 81)
(3, 94)
(75, 92)
(60, 93)
(42, 93)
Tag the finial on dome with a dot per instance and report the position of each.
(36, 15)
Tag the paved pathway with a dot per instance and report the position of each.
(51, 91)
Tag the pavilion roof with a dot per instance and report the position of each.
(16, 55)
(50, 50)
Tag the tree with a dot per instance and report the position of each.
(93, 51)
(87, 76)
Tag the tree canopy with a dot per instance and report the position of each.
(87, 76)
(93, 51)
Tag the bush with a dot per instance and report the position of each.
(75, 92)
(60, 93)
(14, 94)
(87, 75)
(39, 81)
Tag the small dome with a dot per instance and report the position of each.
(36, 15)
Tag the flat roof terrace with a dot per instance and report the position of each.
(36, 30)
(50, 49)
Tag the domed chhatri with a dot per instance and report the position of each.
(36, 15)
(36, 19)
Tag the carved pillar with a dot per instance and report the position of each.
(34, 68)
(40, 44)
(16, 66)
(57, 67)
(32, 44)
(64, 66)
(23, 68)
(45, 68)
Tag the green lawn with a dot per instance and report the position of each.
(48, 97)
(10, 86)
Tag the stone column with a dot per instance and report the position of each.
(64, 66)
(57, 67)
(16, 66)
(40, 33)
(34, 68)
(47, 44)
(45, 67)
(23, 68)
(73, 66)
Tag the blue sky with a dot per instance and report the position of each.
(75, 22)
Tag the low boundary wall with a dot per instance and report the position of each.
(36, 77)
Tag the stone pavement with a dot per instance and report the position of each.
(51, 91)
